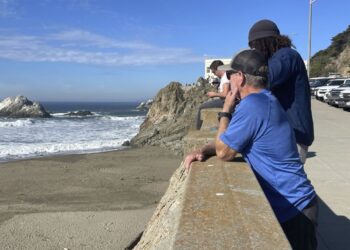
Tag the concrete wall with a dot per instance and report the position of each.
(216, 205)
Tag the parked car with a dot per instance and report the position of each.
(320, 92)
(344, 101)
(317, 82)
(332, 97)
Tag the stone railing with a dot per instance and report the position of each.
(217, 205)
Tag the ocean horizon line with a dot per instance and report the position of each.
(132, 101)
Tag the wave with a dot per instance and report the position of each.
(123, 118)
(24, 138)
(16, 123)
(21, 150)
(58, 114)
(65, 115)
(99, 116)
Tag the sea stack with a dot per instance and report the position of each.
(171, 115)
(145, 105)
(21, 107)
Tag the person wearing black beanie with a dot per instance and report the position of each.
(287, 78)
(288, 81)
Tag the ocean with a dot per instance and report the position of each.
(110, 125)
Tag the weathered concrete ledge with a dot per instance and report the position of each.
(210, 119)
(197, 138)
(217, 205)
(225, 208)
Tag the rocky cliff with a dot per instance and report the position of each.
(341, 63)
(171, 115)
(21, 107)
(334, 59)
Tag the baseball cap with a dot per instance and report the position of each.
(249, 61)
(263, 28)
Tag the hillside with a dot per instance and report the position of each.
(336, 58)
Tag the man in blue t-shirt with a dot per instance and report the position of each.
(259, 129)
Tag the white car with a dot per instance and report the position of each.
(332, 97)
(320, 92)
(344, 101)
(317, 82)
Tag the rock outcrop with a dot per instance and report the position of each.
(335, 58)
(80, 113)
(145, 105)
(21, 107)
(340, 64)
(171, 115)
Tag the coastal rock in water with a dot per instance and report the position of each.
(80, 113)
(145, 105)
(141, 106)
(126, 143)
(149, 103)
(21, 107)
(171, 115)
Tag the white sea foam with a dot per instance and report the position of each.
(21, 150)
(16, 123)
(122, 118)
(58, 114)
(23, 138)
(79, 116)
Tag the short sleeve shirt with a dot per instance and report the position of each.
(223, 81)
(260, 131)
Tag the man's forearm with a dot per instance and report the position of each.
(221, 94)
(223, 124)
(224, 121)
(223, 151)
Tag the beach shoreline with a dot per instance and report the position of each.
(43, 199)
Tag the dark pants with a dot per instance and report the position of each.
(301, 229)
(217, 103)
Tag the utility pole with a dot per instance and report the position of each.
(310, 28)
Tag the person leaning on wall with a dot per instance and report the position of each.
(287, 79)
(259, 129)
(219, 96)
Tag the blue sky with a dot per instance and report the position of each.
(117, 50)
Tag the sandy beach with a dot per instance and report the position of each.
(90, 201)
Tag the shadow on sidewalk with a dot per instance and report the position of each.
(333, 230)
(311, 154)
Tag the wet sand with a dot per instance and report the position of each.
(91, 201)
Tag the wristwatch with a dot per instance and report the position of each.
(224, 114)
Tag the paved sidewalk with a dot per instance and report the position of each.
(328, 167)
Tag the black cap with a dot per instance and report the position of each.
(263, 28)
(249, 61)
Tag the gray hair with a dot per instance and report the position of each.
(256, 81)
